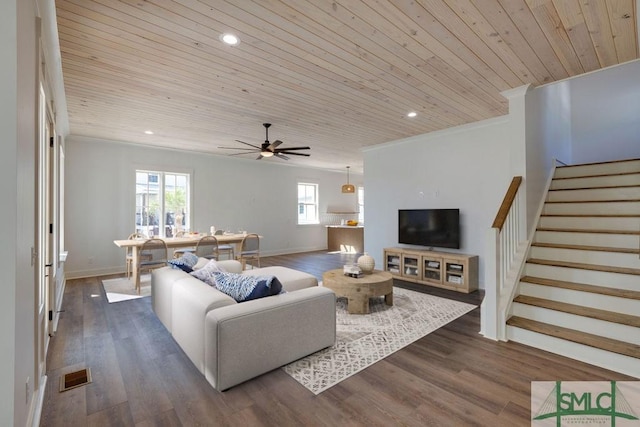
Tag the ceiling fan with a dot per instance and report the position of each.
(268, 149)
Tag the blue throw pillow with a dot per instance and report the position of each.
(244, 288)
(185, 262)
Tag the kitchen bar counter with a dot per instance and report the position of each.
(345, 238)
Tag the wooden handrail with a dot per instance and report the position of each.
(501, 216)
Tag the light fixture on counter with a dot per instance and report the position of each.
(348, 188)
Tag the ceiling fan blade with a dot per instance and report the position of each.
(246, 143)
(281, 156)
(240, 154)
(260, 156)
(274, 144)
(238, 148)
(290, 153)
(294, 148)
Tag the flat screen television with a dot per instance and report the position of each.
(429, 227)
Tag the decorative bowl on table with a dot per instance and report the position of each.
(352, 222)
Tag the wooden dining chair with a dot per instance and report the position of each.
(153, 254)
(207, 247)
(128, 257)
(177, 253)
(250, 250)
(229, 250)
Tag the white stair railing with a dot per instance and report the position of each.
(505, 249)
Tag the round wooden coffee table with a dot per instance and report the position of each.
(358, 291)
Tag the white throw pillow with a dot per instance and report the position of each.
(202, 261)
(207, 273)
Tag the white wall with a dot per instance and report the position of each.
(228, 192)
(605, 114)
(18, 122)
(548, 137)
(467, 167)
(9, 215)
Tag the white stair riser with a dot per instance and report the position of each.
(588, 277)
(591, 223)
(585, 299)
(607, 240)
(598, 169)
(598, 327)
(593, 208)
(599, 181)
(594, 356)
(613, 259)
(618, 193)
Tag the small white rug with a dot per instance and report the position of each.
(123, 289)
(364, 339)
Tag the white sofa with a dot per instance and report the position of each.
(232, 342)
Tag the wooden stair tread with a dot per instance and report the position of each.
(583, 287)
(591, 340)
(594, 267)
(587, 230)
(606, 162)
(579, 310)
(606, 187)
(585, 248)
(574, 215)
(561, 178)
(595, 201)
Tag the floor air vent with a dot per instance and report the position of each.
(75, 379)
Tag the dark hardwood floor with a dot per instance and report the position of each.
(451, 377)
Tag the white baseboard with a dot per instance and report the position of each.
(81, 274)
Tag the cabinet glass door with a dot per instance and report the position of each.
(431, 269)
(411, 266)
(393, 263)
(454, 271)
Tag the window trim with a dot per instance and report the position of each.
(360, 190)
(316, 204)
(161, 194)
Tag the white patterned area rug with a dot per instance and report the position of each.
(123, 289)
(364, 339)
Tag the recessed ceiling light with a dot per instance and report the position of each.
(230, 39)
(148, 132)
(412, 114)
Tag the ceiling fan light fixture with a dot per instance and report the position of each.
(266, 153)
(348, 188)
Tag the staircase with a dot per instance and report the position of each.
(579, 295)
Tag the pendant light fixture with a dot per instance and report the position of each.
(348, 188)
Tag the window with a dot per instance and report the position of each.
(361, 205)
(308, 203)
(162, 203)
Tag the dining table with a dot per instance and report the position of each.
(174, 243)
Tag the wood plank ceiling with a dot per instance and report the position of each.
(334, 75)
